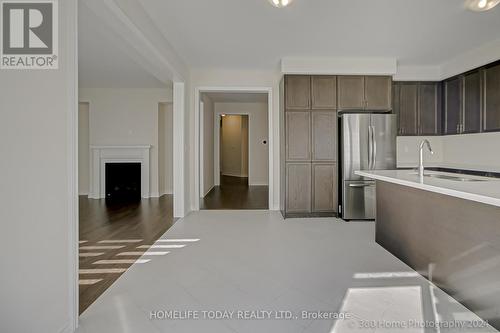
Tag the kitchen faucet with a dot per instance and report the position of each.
(421, 157)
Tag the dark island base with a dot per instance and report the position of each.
(451, 241)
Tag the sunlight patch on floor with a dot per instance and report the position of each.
(382, 307)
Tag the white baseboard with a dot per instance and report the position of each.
(210, 189)
(258, 184)
(168, 192)
(234, 175)
(154, 195)
(66, 329)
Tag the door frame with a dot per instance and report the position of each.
(198, 136)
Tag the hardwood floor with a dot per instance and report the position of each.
(235, 193)
(111, 232)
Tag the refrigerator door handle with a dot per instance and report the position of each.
(361, 185)
(370, 148)
(374, 149)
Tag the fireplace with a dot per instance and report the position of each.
(104, 155)
(123, 182)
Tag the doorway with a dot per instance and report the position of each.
(234, 151)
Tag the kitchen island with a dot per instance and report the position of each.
(446, 227)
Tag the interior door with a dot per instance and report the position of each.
(384, 132)
(355, 144)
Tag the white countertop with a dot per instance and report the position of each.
(487, 191)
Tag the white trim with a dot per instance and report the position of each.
(210, 189)
(339, 66)
(72, 166)
(202, 145)
(271, 136)
(234, 175)
(178, 149)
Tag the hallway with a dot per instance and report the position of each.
(235, 193)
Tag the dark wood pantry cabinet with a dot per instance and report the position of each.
(308, 123)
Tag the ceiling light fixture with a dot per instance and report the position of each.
(481, 5)
(280, 3)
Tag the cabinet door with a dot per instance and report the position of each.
(324, 92)
(492, 99)
(324, 135)
(472, 103)
(324, 190)
(408, 109)
(351, 92)
(395, 97)
(298, 187)
(453, 106)
(298, 136)
(378, 94)
(298, 91)
(428, 108)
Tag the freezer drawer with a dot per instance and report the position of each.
(358, 200)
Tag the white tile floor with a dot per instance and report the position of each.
(254, 260)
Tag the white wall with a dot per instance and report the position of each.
(208, 145)
(127, 117)
(468, 151)
(35, 242)
(165, 148)
(472, 151)
(258, 172)
(408, 151)
(83, 149)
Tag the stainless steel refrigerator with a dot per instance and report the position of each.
(368, 142)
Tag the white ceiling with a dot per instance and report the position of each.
(236, 97)
(103, 61)
(253, 34)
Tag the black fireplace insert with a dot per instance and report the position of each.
(123, 182)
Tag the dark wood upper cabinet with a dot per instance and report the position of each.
(351, 92)
(492, 98)
(324, 92)
(408, 103)
(471, 122)
(378, 93)
(298, 92)
(452, 106)
(429, 106)
(396, 88)
(372, 93)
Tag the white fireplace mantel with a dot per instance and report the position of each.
(100, 155)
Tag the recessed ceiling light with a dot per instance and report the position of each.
(280, 3)
(481, 5)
